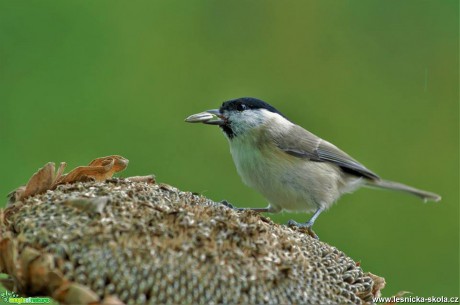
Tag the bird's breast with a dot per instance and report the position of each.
(276, 175)
(251, 163)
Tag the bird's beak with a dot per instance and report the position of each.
(211, 117)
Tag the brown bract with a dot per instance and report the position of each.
(45, 178)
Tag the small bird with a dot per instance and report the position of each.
(291, 167)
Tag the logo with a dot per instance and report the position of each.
(13, 298)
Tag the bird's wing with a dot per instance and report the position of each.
(303, 144)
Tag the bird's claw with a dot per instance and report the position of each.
(307, 226)
(227, 204)
(231, 206)
(293, 223)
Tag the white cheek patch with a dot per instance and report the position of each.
(244, 121)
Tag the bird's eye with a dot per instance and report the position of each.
(241, 107)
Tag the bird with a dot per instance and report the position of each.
(294, 169)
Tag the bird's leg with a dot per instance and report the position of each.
(309, 224)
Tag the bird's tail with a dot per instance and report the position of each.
(390, 185)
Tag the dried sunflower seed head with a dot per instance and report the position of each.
(141, 243)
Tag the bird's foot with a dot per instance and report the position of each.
(227, 204)
(306, 225)
(231, 206)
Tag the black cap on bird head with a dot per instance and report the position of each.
(244, 103)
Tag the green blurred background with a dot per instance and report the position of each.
(83, 79)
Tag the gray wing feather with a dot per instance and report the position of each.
(310, 146)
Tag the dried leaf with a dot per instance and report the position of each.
(120, 162)
(74, 293)
(15, 195)
(38, 272)
(60, 171)
(99, 169)
(45, 178)
(27, 256)
(8, 248)
(56, 280)
(379, 284)
(41, 181)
